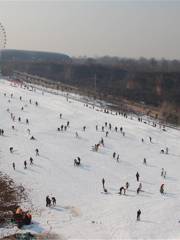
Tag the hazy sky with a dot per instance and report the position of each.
(94, 28)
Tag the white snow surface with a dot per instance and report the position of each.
(83, 211)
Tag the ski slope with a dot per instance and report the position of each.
(83, 211)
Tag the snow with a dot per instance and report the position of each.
(83, 211)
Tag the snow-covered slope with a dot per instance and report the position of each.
(83, 211)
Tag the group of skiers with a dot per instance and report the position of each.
(106, 127)
(50, 201)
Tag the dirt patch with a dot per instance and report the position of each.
(30, 236)
(11, 196)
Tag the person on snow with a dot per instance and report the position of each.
(162, 172)
(31, 161)
(32, 138)
(67, 123)
(30, 101)
(102, 142)
(96, 127)
(102, 128)
(144, 161)
(11, 149)
(27, 121)
(14, 167)
(12, 127)
(114, 155)
(138, 215)
(77, 135)
(165, 174)
(122, 189)
(25, 165)
(162, 188)
(53, 201)
(127, 185)
(167, 150)
(105, 124)
(60, 115)
(121, 129)
(117, 159)
(115, 129)
(37, 152)
(36, 103)
(19, 119)
(150, 139)
(137, 177)
(107, 133)
(48, 201)
(103, 182)
(29, 131)
(84, 128)
(142, 140)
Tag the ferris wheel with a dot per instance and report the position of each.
(3, 37)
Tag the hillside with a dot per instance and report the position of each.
(83, 210)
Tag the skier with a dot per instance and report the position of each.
(162, 172)
(167, 150)
(27, 121)
(114, 155)
(102, 128)
(115, 129)
(31, 161)
(96, 127)
(122, 189)
(60, 115)
(84, 128)
(67, 123)
(25, 165)
(48, 201)
(19, 119)
(162, 188)
(37, 152)
(138, 190)
(103, 183)
(32, 138)
(102, 141)
(13, 127)
(11, 149)
(127, 185)
(142, 140)
(137, 176)
(54, 201)
(144, 161)
(165, 174)
(117, 159)
(107, 133)
(14, 167)
(150, 139)
(138, 215)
